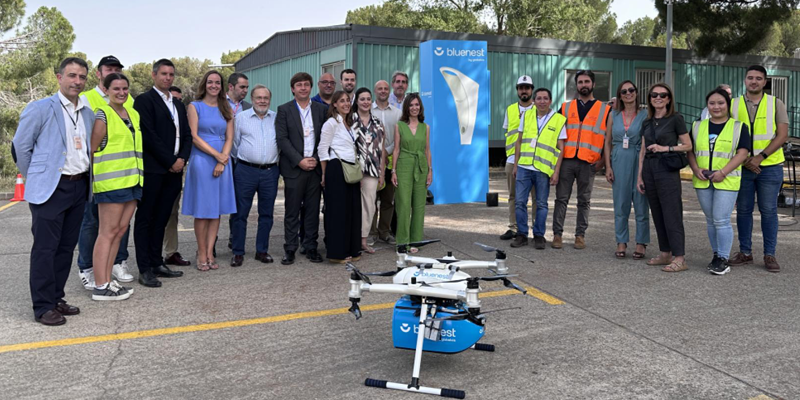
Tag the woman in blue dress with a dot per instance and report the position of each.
(208, 192)
(624, 128)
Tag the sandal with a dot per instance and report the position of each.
(368, 249)
(621, 254)
(675, 267)
(213, 264)
(637, 255)
(337, 261)
(659, 261)
(201, 266)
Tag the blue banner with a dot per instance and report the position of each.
(454, 86)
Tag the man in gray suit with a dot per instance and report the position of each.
(52, 150)
(298, 126)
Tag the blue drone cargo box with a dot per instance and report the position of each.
(450, 336)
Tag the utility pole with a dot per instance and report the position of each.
(668, 67)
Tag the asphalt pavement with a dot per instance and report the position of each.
(613, 329)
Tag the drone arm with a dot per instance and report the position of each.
(467, 264)
(416, 290)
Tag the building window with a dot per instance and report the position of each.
(334, 69)
(778, 86)
(602, 85)
(645, 78)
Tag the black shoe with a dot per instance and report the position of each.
(288, 258)
(149, 279)
(711, 264)
(162, 271)
(237, 260)
(264, 258)
(508, 235)
(720, 266)
(519, 241)
(539, 242)
(313, 256)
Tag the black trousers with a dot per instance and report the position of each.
(56, 224)
(301, 193)
(663, 190)
(158, 197)
(342, 214)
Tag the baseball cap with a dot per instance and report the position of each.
(525, 80)
(110, 60)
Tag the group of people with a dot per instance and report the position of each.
(734, 151)
(92, 159)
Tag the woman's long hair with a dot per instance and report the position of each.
(651, 111)
(332, 111)
(222, 101)
(407, 105)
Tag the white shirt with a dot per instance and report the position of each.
(393, 100)
(388, 117)
(254, 138)
(540, 123)
(308, 129)
(174, 112)
(510, 159)
(77, 160)
(336, 141)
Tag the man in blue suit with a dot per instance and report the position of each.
(52, 150)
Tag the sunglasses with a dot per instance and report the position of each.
(626, 91)
(663, 95)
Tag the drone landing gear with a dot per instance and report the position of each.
(414, 386)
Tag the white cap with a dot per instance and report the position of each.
(525, 80)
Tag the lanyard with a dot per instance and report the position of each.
(625, 124)
(73, 120)
(303, 115)
(236, 108)
(541, 126)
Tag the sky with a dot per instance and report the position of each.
(145, 30)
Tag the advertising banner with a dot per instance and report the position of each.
(454, 86)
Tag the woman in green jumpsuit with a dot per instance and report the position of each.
(411, 172)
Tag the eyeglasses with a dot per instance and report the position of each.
(663, 95)
(626, 91)
(327, 82)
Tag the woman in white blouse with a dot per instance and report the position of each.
(342, 199)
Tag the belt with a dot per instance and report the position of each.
(259, 166)
(75, 177)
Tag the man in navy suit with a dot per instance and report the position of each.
(52, 150)
(298, 126)
(166, 143)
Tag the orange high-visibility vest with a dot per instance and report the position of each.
(585, 138)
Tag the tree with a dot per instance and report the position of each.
(417, 15)
(727, 26)
(28, 61)
(232, 57)
(188, 73)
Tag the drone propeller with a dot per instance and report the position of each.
(352, 268)
(511, 285)
(477, 278)
(386, 273)
(403, 247)
(463, 316)
(486, 248)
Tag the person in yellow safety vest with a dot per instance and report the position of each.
(95, 98)
(538, 152)
(511, 125)
(118, 177)
(768, 121)
(586, 127)
(720, 146)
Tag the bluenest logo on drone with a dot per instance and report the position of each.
(405, 328)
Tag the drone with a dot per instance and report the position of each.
(439, 310)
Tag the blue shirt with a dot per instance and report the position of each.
(254, 138)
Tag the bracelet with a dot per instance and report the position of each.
(394, 172)
(670, 149)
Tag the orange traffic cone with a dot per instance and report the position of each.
(19, 189)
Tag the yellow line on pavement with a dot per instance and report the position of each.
(236, 323)
(8, 205)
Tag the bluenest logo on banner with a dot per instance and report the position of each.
(438, 51)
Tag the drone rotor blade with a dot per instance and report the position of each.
(486, 248)
(507, 283)
(352, 268)
(386, 273)
(420, 243)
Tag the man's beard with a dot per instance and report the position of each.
(524, 98)
(260, 111)
(585, 91)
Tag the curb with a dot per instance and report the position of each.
(6, 195)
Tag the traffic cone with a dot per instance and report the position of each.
(19, 189)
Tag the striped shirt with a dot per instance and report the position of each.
(101, 115)
(254, 138)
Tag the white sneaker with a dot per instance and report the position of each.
(120, 271)
(87, 278)
(117, 286)
(112, 292)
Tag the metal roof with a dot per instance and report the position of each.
(288, 44)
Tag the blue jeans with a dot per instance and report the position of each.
(539, 182)
(247, 181)
(88, 235)
(718, 205)
(766, 185)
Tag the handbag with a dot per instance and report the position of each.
(672, 161)
(352, 171)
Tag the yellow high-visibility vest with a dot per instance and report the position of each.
(544, 156)
(764, 127)
(119, 165)
(724, 150)
(96, 100)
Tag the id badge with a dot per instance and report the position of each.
(306, 131)
(625, 142)
(78, 143)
